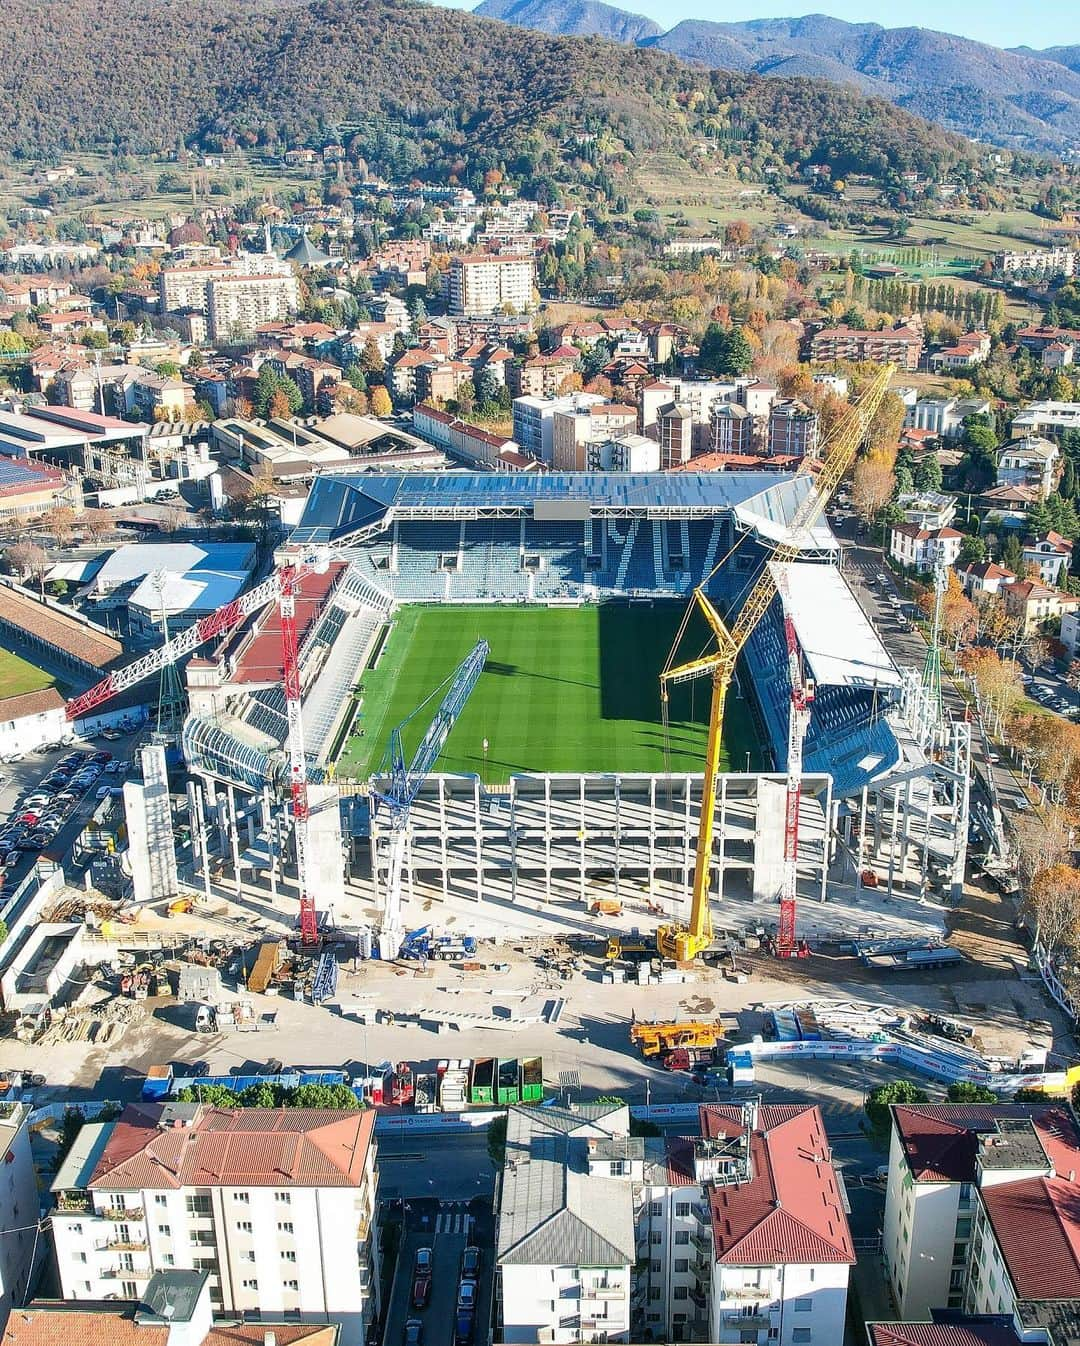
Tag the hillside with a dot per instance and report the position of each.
(1021, 98)
(581, 18)
(412, 87)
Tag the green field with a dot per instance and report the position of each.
(563, 690)
(17, 676)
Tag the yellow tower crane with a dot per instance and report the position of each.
(684, 941)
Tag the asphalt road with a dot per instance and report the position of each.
(446, 1228)
(410, 1164)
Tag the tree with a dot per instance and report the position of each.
(883, 1096)
(1012, 554)
(95, 341)
(872, 485)
(279, 404)
(963, 1091)
(217, 1095)
(27, 560)
(1029, 1096)
(1053, 899)
(496, 1140)
(371, 360)
(972, 550)
(928, 473)
(322, 1096)
(380, 402)
(724, 350)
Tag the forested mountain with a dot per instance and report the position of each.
(1023, 97)
(413, 88)
(583, 18)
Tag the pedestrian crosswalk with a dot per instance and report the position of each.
(453, 1218)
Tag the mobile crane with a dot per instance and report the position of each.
(685, 941)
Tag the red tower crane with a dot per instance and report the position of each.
(802, 697)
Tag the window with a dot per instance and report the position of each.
(956, 1279)
(617, 1169)
(654, 1292)
(681, 1292)
(656, 1208)
(656, 1265)
(285, 1227)
(682, 1264)
(198, 1205)
(652, 1317)
(803, 1306)
(678, 1317)
(682, 1209)
(82, 1257)
(244, 1226)
(292, 1285)
(160, 1199)
(244, 1198)
(802, 1334)
(682, 1236)
(164, 1230)
(288, 1254)
(129, 1290)
(656, 1237)
(251, 1285)
(168, 1259)
(284, 1197)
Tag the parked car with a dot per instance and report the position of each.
(102, 757)
(421, 1290)
(470, 1264)
(464, 1321)
(414, 1333)
(422, 1261)
(466, 1296)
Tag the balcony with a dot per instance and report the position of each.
(126, 1245)
(703, 1243)
(126, 1274)
(758, 1320)
(122, 1213)
(603, 1292)
(74, 1203)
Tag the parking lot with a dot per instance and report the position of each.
(447, 1229)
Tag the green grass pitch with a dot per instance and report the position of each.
(564, 689)
(17, 676)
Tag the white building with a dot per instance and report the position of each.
(1045, 263)
(1048, 419)
(236, 305)
(624, 453)
(981, 1212)
(534, 420)
(277, 1206)
(486, 283)
(187, 287)
(924, 548)
(30, 720)
(943, 416)
(1029, 461)
(928, 509)
(19, 1208)
(1051, 554)
(565, 1244)
(580, 429)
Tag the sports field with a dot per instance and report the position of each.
(17, 676)
(564, 689)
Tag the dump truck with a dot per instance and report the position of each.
(654, 1039)
(482, 1081)
(532, 1079)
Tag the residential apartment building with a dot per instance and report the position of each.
(1048, 419)
(565, 1248)
(534, 419)
(675, 431)
(928, 509)
(1036, 604)
(238, 304)
(943, 416)
(483, 283)
(577, 429)
(732, 429)
(19, 1240)
(1045, 263)
(736, 1233)
(1029, 461)
(901, 346)
(793, 430)
(981, 1214)
(623, 453)
(922, 549)
(1051, 554)
(984, 579)
(542, 375)
(476, 446)
(276, 1206)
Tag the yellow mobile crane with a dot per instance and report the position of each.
(685, 941)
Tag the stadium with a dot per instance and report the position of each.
(560, 780)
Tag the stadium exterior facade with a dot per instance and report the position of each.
(874, 797)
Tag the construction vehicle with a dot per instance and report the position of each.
(635, 946)
(423, 943)
(655, 1039)
(685, 941)
(400, 1087)
(688, 1058)
(605, 906)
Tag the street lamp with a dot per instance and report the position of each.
(485, 747)
(748, 761)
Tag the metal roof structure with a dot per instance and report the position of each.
(343, 505)
(552, 1212)
(839, 644)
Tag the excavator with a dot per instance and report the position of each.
(687, 940)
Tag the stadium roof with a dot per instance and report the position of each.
(342, 504)
(839, 645)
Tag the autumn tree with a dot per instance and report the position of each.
(380, 402)
(1052, 899)
(278, 408)
(27, 560)
(872, 485)
(959, 619)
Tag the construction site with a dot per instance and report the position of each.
(723, 757)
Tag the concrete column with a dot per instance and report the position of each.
(233, 838)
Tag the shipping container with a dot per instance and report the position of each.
(532, 1079)
(482, 1086)
(509, 1082)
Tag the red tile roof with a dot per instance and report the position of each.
(940, 1140)
(790, 1209)
(973, 1333)
(235, 1147)
(1037, 1226)
(108, 1326)
(260, 656)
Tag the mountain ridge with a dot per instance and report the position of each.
(1017, 97)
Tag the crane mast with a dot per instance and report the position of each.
(802, 697)
(686, 940)
(289, 580)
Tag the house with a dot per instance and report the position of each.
(1051, 554)
(1036, 604)
(1047, 419)
(29, 721)
(258, 1199)
(1058, 354)
(928, 509)
(943, 416)
(981, 1214)
(922, 549)
(19, 1205)
(541, 376)
(984, 578)
(950, 1329)
(900, 345)
(1008, 505)
(565, 1246)
(1029, 461)
(973, 348)
(174, 1309)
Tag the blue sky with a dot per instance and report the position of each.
(1005, 23)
